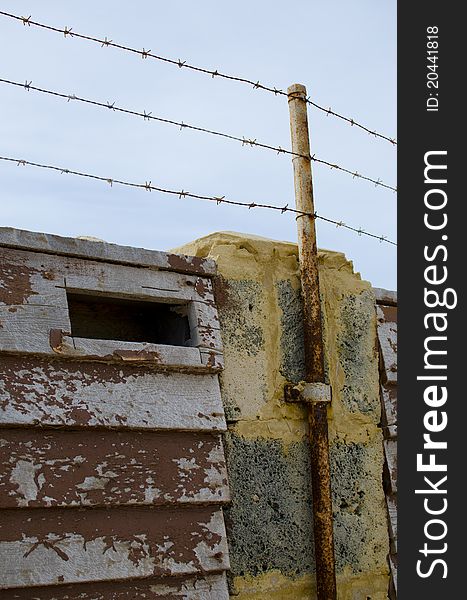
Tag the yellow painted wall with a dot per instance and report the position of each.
(257, 292)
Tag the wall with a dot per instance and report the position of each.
(269, 522)
(387, 337)
(112, 469)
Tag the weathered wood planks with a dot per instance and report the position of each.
(110, 468)
(46, 243)
(390, 455)
(46, 547)
(26, 328)
(33, 304)
(386, 309)
(387, 336)
(154, 355)
(207, 587)
(29, 277)
(88, 394)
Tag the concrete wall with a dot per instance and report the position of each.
(269, 520)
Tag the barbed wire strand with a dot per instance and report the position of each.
(351, 121)
(148, 116)
(68, 32)
(147, 185)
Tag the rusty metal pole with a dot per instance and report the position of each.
(314, 353)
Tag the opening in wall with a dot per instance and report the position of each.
(107, 318)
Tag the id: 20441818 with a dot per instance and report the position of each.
(432, 46)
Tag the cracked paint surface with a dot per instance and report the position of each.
(96, 394)
(111, 464)
(41, 546)
(57, 468)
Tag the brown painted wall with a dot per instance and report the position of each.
(112, 469)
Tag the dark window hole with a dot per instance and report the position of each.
(107, 318)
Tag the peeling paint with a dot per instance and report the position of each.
(110, 464)
(39, 547)
(116, 468)
(97, 394)
(137, 355)
(204, 587)
(15, 281)
(190, 264)
(23, 475)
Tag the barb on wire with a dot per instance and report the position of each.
(213, 73)
(147, 185)
(147, 116)
(352, 122)
(355, 174)
(359, 231)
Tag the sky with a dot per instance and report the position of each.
(344, 52)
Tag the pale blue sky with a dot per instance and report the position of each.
(344, 52)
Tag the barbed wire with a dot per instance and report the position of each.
(148, 116)
(351, 121)
(149, 187)
(68, 32)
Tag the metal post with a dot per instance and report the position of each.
(314, 353)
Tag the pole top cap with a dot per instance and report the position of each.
(296, 89)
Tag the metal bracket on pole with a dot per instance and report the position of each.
(308, 393)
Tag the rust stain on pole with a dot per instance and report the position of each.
(314, 353)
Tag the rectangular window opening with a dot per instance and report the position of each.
(107, 318)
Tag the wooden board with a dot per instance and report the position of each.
(26, 328)
(155, 355)
(387, 297)
(52, 546)
(204, 325)
(119, 281)
(392, 513)
(103, 251)
(389, 405)
(45, 330)
(207, 587)
(90, 394)
(390, 453)
(393, 569)
(112, 475)
(27, 277)
(33, 305)
(213, 359)
(110, 468)
(387, 336)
